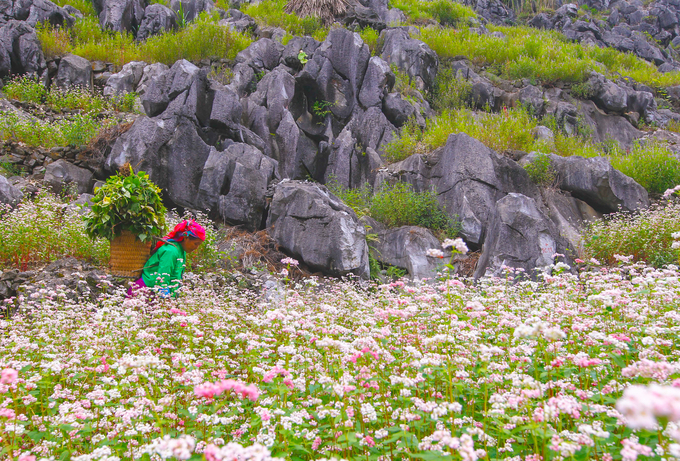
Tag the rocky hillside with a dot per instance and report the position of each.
(524, 123)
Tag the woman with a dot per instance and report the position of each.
(163, 271)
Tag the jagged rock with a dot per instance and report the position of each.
(120, 15)
(34, 12)
(378, 81)
(158, 18)
(9, 194)
(359, 17)
(150, 73)
(411, 56)
(20, 50)
(61, 175)
(597, 183)
(291, 53)
(607, 128)
(263, 54)
(520, 236)
(406, 247)
(397, 109)
(239, 22)
(126, 80)
(374, 130)
(469, 178)
(311, 224)
(74, 71)
(235, 182)
(495, 11)
(570, 215)
(543, 133)
(226, 108)
(168, 86)
(73, 11)
(606, 94)
(190, 9)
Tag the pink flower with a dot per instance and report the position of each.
(316, 443)
(7, 413)
(368, 441)
(210, 390)
(8, 376)
(26, 458)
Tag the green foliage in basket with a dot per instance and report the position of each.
(127, 201)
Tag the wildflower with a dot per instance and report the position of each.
(641, 405)
(458, 244)
(435, 253)
(290, 261)
(8, 376)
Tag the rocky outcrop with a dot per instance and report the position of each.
(62, 175)
(125, 81)
(311, 224)
(411, 56)
(74, 71)
(520, 237)
(120, 15)
(9, 194)
(158, 18)
(20, 50)
(33, 12)
(406, 247)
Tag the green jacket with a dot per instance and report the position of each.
(165, 267)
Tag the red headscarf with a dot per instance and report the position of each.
(181, 230)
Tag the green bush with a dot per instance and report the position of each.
(371, 37)
(271, 13)
(77, 131)
(646, 235)
(541, 55)
(43, 229)
(447, 12)
(651, 165)
(84, 6)
(397, 205)
(540, 170)
(202, 38)
(451, 93)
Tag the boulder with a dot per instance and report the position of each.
(411, 56)
(495, 12)
(606, 94)
(150, 73)
(291, 53)
(235, 183)
(406, 247)
(313, 225)
(373, 130)
(263, 54)
(158, 18)
(167, 86)
(188, 10)
(239, 22)
(226, 108)
(34, 12)
(606, 128)
(397, 109)
(126, 80)
(61, 175)
(120, 15)
(520, 236)
(9, 194)
(597, 183)
(20, 50)
(570, 215)
(378, 81)
(74, 71)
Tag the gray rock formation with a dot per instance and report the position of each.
(120, 15)
(313, 225)
(126, 80)
(20, 50)
(9, 194)
(74, 71)
(157, 19)
(61, 175)
(411, 56)
(406, 247)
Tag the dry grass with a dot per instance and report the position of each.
(324, 10)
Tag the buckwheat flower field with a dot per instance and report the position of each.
(571, 367)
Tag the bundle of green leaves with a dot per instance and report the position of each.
(127, 201)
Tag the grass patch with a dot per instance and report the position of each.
(653, 166)
(84, 6)
(646, 235)
(203, 38)
(77, 130)
(450, 92)
(446, 12)
(271, 14)
(398, 205)
(41, 230)
(540, 55)
(26, 89)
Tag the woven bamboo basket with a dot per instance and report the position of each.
(128, 255)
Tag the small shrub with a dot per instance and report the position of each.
(447, 12)
(271, 13)
(358, 199)
(540, 170)
(25, 89)
(44, 229)
(84, 6)
(450, 92)
(400, 205)
(646, 235)
(371, 37)
(651, 165)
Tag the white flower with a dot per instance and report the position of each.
(458, 244)
(435, 253)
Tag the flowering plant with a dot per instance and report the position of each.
(127, 201)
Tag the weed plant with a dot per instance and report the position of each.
(371, 37)
(541, 55)
(446, 12)
(397, 205)
(77, 130)
(27, 89)
(84, 6)
(44, 229)
(450, 93)
(203, 38)
(540, 170)
(653, 166)
(271, 14)
(647, 235)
